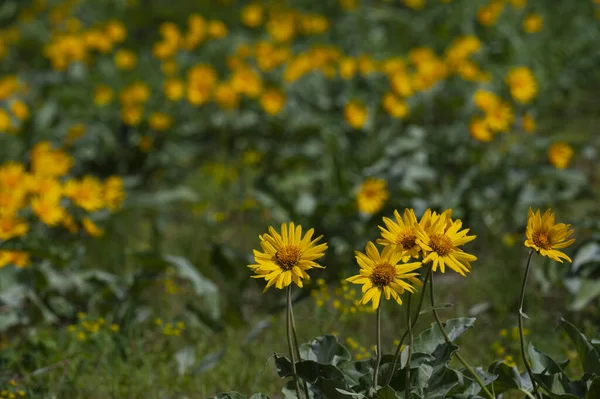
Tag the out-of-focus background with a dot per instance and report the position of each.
(144, 145)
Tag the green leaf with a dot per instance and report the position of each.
(588, 289)
(544, 364)
(431, 338)
(325, 350)
(230, 395)
(594, 389)
(590, 359)
(386, 393)
(508, 377)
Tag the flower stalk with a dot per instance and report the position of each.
(521, 330)
(410, 340)
(296, 347)
(378, 346)
(488, 394)
(290, 339)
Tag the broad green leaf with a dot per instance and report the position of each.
(386, 393)
(325, 350)
(544, 364)
(594, 389)
(587, 291)
(508, 378)
(431, 338)
(590, 359)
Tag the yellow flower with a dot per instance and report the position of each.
(381, 274)
(488, 14)
(74, 133)
(355, 114)
(415, 4)
(246, 81)
(125, 59)
(174, 89)
(394, 106)
(560, 154)
(287, 256)
(272, 101)
(499, 118)
(145, 144)
(509, 361)
(401, 234)
(132, 115)
(86, 193)
(518, 3)
(102, 95)
(19, 110)
(349, 4)
(347, 68)
(522, 83)
(91, 228)
(114, 194)
(533, 23)
(226, 97)
(19, 259)
(440, 242)
(479, 130)
(252, 15)
(528, 123)
(159, 121)
(6, 125)
(12, 227)
(216, 29)
(401, 83)
(485, 100)
(45, 161)
(168, 67)
(116, 31)
(372, 195)
(546, 237)
(48, 210)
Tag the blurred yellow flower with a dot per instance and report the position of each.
(372, 196)
(247, 81)
(560, 154)
(74, 133)
(226, 97)
(252, 15)
(146, 143)
(114, 193)
(382, 274)
(48, 210)
(286, 257)
(488, 14)
(159, 121)
(46, 161)
(19, 259)
(414, 4)
(12, 227)
(216, 29)
(485, 100)
(547, 237)
(355, 114)
(116, 31)
(500, 117)
(102, 95)
(125, 59)
(168, 67)
(174, 89)
(91, 228)
(518, 3)
(272, 101)
(522, 83)
(132, 115)
(19, 110)
(401, 83)
(86, 193)
(349, 4)
(394, 106)
(5, 122)
(533, 23)
(479, 130)
(528, 123)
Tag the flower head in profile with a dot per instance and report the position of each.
(401, 234)
(382, 274)
(546, 237)
(287, 256)
(440, 239)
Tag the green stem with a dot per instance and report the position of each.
(378, 353)
(288, 320)
(448, 340)
(414, 321)
(410, 339)
(521, 332)
(296, 347)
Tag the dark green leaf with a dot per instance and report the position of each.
(431, 338)
(386, 393)
(325, 350)
(590, 359)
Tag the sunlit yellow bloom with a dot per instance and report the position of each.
(485, 100)
(46, 161)
(401, 234)
(6, 124)
(547, 237)
(272, 101)
(533, 23)
(114, 193)
(116, 31)
(19, 259)
(415, 4)
(401, 83)
(382, 274)
(125, 59)
(226, 97)
(282, 28)
(102, 95)
(86, 193)
(365, 64)
(347, 68)
(48, 210)
(216, 29)
(355, 114)
(522, 83)
(440, 242)
(12, 227)
(560, 154)
(518, 3)
(500, 117)
(69, 223)
(247, 81)
(174, 89)
(287, 256)
(488, 14)
(159, 121)
(132, 115)
(479, 130)
(394, 106)
(252, 15)
(528, 123)
(91, 228)
(19, 110)
(372, 196)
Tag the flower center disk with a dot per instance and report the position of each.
(288, 256)
(541, 240)
(407, 239)
(383, 274)
(441, 244)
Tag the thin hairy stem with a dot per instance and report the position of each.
(410, 340)
(290, 339)
(378, 353)
(521, 332)
(297, 348)
(447, 338)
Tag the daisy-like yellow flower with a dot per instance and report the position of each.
(381, 273)
(523, 84)
(440, 240)
(560, 154)
(401, 234)
(372, 195)
(546, 237)
(287, 256)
